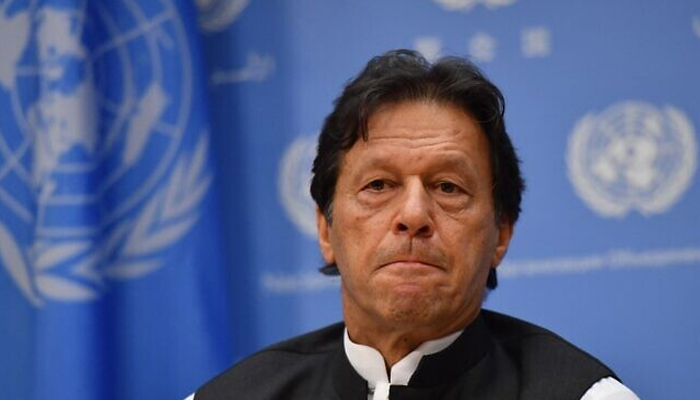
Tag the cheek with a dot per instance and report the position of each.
(348, 244)
(471, 245)
(359, 227)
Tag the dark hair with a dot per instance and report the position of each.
(404, 75)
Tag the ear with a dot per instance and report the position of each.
(505, 232)
(324, 241)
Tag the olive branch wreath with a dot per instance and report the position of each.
(129, 251)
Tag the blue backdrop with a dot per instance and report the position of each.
(155, 222)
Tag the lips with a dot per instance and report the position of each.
(410, 256)
(411, 263)
(409, 276)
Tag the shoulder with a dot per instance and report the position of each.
(517, 335)
(275, 368)
(544, 357)
(319, 341)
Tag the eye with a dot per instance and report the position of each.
(377, 185)
(447, 187)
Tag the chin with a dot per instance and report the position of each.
(417, 310)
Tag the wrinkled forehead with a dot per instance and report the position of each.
(413, 132)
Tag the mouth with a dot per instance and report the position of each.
(410, 276)
(420, 260)
(411, 265)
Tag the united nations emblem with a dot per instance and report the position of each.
(294, 182)
(94, 182)
(632, 156)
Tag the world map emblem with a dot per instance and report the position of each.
(100, 173)
(632, 156)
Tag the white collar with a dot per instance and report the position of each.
(369, 363)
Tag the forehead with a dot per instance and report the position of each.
(418, 130)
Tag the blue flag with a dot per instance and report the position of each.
(111, 282)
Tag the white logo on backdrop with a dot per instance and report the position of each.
(615, 259)
(429, 46)
(294, 182)
(536, 42)
(632, 156)
(482, 47)
(217, 15)
(257, 69)
(93, 172)
(466, 5)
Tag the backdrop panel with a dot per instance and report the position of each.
(155, 221)
(602, 106)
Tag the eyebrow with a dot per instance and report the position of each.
(460, 163)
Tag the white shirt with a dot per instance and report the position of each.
(369, 364)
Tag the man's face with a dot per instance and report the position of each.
(413, 230)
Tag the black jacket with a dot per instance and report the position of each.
(496, 358)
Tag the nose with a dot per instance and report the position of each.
(414, 217)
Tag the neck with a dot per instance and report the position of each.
(396, 340)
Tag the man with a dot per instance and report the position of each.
(418, 189)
